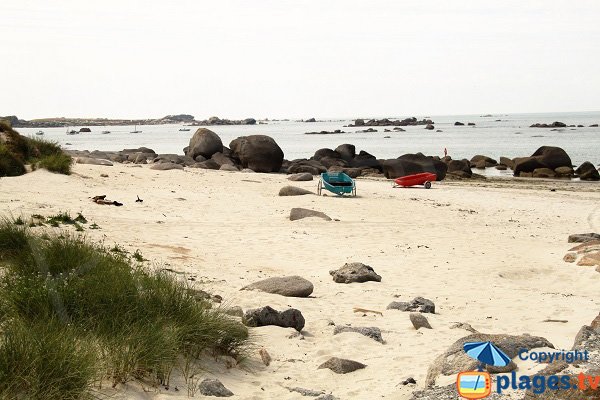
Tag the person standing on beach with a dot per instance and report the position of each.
(445, 152)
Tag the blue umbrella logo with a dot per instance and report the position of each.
(486, 353)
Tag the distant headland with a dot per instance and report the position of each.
(169, 119)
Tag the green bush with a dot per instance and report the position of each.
(9, 164)
(60, 163)
(133, 322)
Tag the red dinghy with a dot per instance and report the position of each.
(424, 179)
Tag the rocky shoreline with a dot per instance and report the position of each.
(261, 153)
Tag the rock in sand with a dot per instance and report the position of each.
(355, 272)
(289, 286)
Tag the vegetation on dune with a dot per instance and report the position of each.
(74, 314)
(17, 150)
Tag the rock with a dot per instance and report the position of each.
(583, 237)
(355, 272)
(564, 171)
(480, 164)
(429, 127)
(587, 172)
(458, 123)
(590, 259)
(205, 143)
(306, 392)
(214, 387)
(260, 153)
(544, 157)
(419, 321)
(300, 213)
(322, 153)
(93, 161)
(501, 167)
(460, 165)
(370, 332)
(265, 356)
(556, 124)
(302, 176)
(290, 318)
(166, 166)
(327, 397)
(293, 191)
(570, 257)
(346, 151)
(200, 158)
(247, 171)
(455, 360)
(543, 173)
(311, 120)
(508, 162)
(341, 365)
(365, 160)
(228, 167)
(289, 286)
(418, 304)
(208, 164)
(85, 130)
(220, 159)
(471, 123)
(409, 164)
(488, 161)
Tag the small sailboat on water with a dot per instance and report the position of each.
(135, 130)
(184, 130)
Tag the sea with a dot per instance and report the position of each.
(497, 135)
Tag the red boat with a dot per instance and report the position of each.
(424, 179)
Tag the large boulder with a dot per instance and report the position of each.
(487, 161)
(545, 157)
(347, 151)
(205, 143)
(365, 160)
(507, 161)
(260, 153)
(264, 316)
(587, 172)
(455, 360)
(460, 165)
(410, 164)
(288, 286)
(322, 153)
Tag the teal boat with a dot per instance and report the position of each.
(336, 182)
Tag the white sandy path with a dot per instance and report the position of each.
(493, 258)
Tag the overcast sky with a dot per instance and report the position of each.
(298, 59)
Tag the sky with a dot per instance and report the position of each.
(297, 59)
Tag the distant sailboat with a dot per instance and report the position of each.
(184, 130)
(72, 132)
(135, 130)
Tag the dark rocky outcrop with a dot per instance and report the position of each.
(85, 130)
(457, 123)
(587, 172)
(205, 143)
(508, 162)
(459, 167)
(335, 132)
(556, 124)
(355, 272)
(346, 151)
(545, 157)
(260, 153)
(264, 316)
(483, 161)
(219, 121)
(386, 122)
(288, 286)
(583, 237)
(409, 164)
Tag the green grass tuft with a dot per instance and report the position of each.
(74, 313)
(59, 163)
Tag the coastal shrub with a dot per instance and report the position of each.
(9, 164)
(133, 322)
(60, 163)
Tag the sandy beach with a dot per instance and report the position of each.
(488, 253)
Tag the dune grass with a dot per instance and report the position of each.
(99, 318)
(20, 150)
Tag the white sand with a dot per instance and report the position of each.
(488, 256)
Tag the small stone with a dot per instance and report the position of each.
(302, 176)
(408, 381)
(419, 321)
(265, 356)
(570, 257)
(300, 213)
(418, 304)
(214, 387)
(104, 175)
(370, 332)
(341, 365)
(306, 392)
(293, 191)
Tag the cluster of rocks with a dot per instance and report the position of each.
(545, 162)
(587, 252)
(458, 123)
(387, 122)
(65, 122)
(335, 132)
(558, 124)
